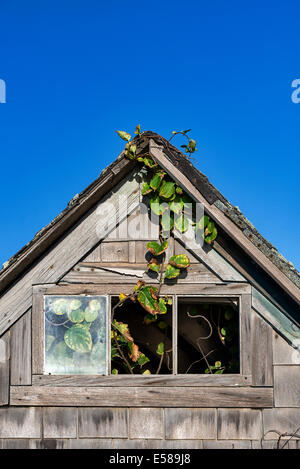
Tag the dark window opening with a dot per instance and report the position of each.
(147, 336)
(208, 336)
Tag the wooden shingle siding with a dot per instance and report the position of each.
(104, 423)
(59, 422)
(190, 424)
(21, 422)
(281, 420)
(240, 424)
(146, 423)
(4, 368)
(283, 353)
(21, 351)
(286, 386)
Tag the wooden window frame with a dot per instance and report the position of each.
(200, 391)
(240, 291)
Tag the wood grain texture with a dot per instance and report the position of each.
(141, 397)
(20, 422)
(239, 424)
(286, 386)
(59, 422)
(146, 423)
(246, 331)
(189, 424)
(116, 272)
(20, 365)
(262, 353)
(4, 368)
(64, 255)
(137, 381)
(102, 423)
(281, 420)
(284, 353)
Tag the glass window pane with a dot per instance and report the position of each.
(75, 335)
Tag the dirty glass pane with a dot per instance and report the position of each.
(75, 335)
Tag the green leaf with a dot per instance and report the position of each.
(179, 190)
(75, 304)
(114, 371)
(176, 205)
(186, 131)
(49, 341)
(171, 272)
(181, 261)
(181, 223)
(223, 331)
(146, 189)
(157, 206)
(154, 265)
(218, 364)
(156, 248)
(162, 306)
(123, 329)
(210, 238)
(146, 372)
(138, 129)
(142, 359)
(76, 315)
(90, 314)
(167, 221)
(124, 135)
(160, 349)
(192, 145)
(156, 180)
(148, 300)
(149, 162)
(78, 338)
(60, 306)
(167, 189)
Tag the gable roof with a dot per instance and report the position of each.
(178, 166)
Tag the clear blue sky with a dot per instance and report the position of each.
(78, 70)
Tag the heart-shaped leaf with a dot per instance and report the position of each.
(76, 315)
(160, 349)
(156, 248)
(156, 180)
(157, 206)
(90, 314)
(123, 329)
(176, 205)
(181, 261)
(148, 300)
(181, 223)
(162, 306)
(154, 265)
(78, 338)
(167, 221)
(60, 306)
(167, 189)
(171, 272)
(146, 189)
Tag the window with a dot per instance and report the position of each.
(75, 335)
(203, 334)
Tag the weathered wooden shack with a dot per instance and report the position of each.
(47, 401)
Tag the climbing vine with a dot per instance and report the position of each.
(167, 200)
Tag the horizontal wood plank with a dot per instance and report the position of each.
(141, 397)
(137, 381)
